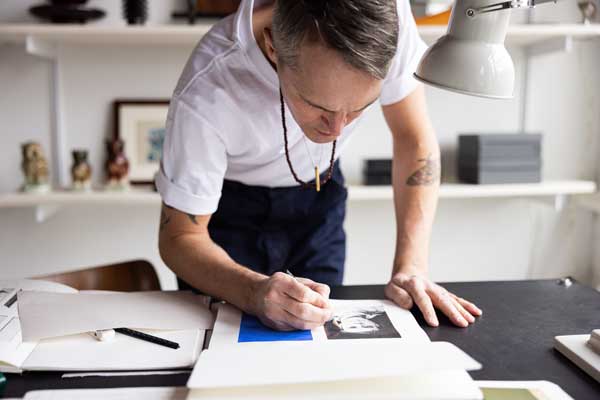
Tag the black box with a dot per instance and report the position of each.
(519, 147)
(499, 158)
(377, 172)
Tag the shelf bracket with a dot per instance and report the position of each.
(555, 45)
(38, 47)
(44, 212)
(558, 201)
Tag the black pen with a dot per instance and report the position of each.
(12, 300)
(147, 338)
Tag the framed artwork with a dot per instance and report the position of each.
(141, 126)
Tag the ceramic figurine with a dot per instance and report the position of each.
(35, 168)
(117, 165)
(588, 10)
(81, 171)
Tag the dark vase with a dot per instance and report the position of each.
(135, 12)
(81, 171)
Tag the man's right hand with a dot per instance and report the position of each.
(286, 303)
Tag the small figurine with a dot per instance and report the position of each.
(35, 168)
(117, 165)
(588, 10)
(81, 171)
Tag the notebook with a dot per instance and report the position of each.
(56, 320)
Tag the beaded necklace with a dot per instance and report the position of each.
(318, 183)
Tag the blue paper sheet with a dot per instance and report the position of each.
(252, 330)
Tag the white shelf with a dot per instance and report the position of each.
(114, 35)
(356, 193)
(466, 191)
(526, 35)
(189, 35)
(72, 198)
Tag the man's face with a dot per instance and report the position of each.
(324, 93)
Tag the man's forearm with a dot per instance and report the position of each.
(416, 178)
(206, 266)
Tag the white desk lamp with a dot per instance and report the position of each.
(471, 57)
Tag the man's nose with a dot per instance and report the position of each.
(335, 123)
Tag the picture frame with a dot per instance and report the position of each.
(141, 125)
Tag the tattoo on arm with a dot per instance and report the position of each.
(427, 175)
(164, 219)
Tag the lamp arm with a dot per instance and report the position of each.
(474, 11)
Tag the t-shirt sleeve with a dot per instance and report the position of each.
(400, 81)
(193, 164)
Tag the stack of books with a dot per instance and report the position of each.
(500, 158)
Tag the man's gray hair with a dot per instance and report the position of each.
(364, 32)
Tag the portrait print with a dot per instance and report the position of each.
(362, 322)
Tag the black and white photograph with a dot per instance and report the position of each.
(362, 322)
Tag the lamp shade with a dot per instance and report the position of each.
(471, 57)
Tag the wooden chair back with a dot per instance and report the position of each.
(130, 276)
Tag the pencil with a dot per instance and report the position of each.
(147, 338)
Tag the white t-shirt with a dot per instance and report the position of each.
(224, 120)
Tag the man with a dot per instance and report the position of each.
(249, 178)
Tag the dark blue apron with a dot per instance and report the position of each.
(273, 229)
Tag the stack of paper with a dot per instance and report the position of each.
(13, 351)
(150, 393)
(369, 347)
(580, 350)
(53, 329)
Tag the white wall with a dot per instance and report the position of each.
(472, 239)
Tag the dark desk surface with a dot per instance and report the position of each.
(513, 339)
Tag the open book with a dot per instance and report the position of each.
(45, 326)
(369, 347)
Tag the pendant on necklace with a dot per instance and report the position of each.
(317, 179)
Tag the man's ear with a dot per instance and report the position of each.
(269, 48)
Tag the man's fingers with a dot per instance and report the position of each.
(466, 315)
(277, 325)
(320, 288)
(305, 311)
(447, 305)
(399, 296)
(299, 323)
(303, 293)
(421, 298)
(470, 307)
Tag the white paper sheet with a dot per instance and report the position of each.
(577, 349)
(14, 351)
(227, 325)
(273, 363)
(447, 385)
(35, 284)
(84, 353)
(519, 390)
(124, 373)
(48, 315)
(10, 330)
(154, 393)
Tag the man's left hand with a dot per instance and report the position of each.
(405, 290)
